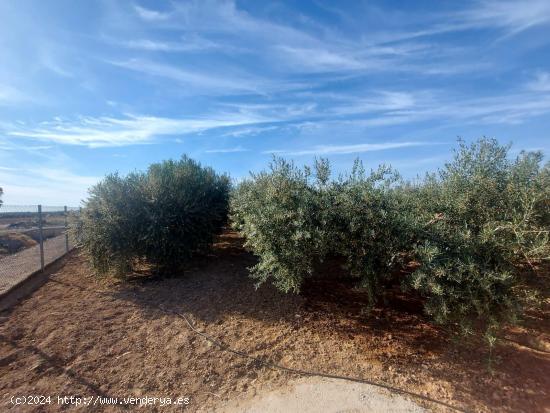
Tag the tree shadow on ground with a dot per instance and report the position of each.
(217, 286)
(58, 365)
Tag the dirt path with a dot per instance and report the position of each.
(80, 335)
(313, 395)
(16, 267)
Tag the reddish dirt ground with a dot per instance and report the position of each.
(87, 336)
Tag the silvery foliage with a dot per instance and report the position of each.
(470, 232)
(162, 216)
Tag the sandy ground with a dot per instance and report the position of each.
(313, 395)
(80, 335)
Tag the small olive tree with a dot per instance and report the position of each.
(469, 231)
(293, 218)
(279, 214)
(371, 226)
(162, 216)
(485, 220)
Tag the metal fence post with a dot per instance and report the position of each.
(66, 231)
(41, 237)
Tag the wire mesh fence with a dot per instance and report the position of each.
(31, 237)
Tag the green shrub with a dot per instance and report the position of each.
(292, 219)
(278, 212)
(485, 217)
(369, 226)
(161, 216)
(470, 230)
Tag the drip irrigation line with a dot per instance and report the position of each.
(225, 347)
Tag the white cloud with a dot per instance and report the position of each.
(221, 83)
(106, 131)
(380, 101)
(152, 45)
(322, 49)
(510, 15)
(249, 131)
(284, 45)
(150, 15)
(347, 149)
(393, 108)
(382, 109)
(503, 109)
(34, 149)
(227, 150)
(318, 59)
(188, 43)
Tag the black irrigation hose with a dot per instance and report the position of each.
(267, 363)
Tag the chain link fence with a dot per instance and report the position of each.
(31, 237)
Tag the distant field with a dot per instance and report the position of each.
(19, 230)
(10, 221)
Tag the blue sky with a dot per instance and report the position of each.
(88, 88)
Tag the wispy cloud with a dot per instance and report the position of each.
(285, 46)
(319, 59)
(187, 43)
(301, 49)
(130, 130)
(391, 108)
(346, 149)
(290, 77)
(227, 150)
(510, 15)
(155, 45)
(197, 80)
(383, 109)
(10, 95)
(44, 185)
(7, 145)
(503, 109)
(250, 131)
(63, 176)
(150, 15)
(380, 101)
(50, 62)
(541, 83)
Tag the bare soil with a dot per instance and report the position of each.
(87, 336)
